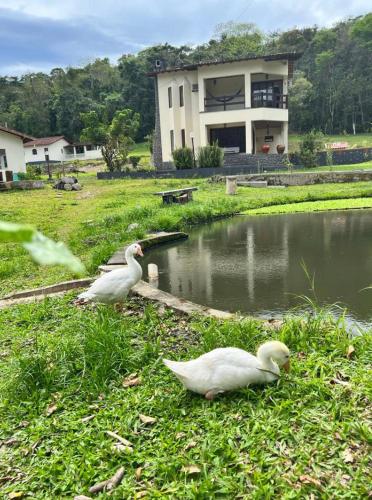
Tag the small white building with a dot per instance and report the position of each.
(12, 158)
(242, 104)
(58, 149)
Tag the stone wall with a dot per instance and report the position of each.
(304, 179)
(339, 157)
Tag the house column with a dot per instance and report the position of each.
(285, 135)
(247, 89)
(248, 137)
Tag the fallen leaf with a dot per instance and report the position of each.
(96, 488)
(345, 478)
(138, 473)
(123, 441)
(11, 441)
(191, 469)
(340, 382)
(140, 494)
(180, 435)
(51, 409)
(190, 445)
(121, 448)
(338, 436)
(24, 423)
(82, 497)
(147, 420)
(16, 494)
(350, 351)
(86, 419)
(310, 480)
(131, 381)
(115, 480)
(348, 456)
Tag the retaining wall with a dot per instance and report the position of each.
(304, 179)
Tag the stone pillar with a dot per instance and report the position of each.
(157, 152)
(247, 89)
(285, 135)
(248, 137)
(231, 185)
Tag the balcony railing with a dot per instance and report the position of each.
(224, 102)
(270, 101)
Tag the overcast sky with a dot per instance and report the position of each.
(38, 35)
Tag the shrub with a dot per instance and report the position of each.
(135, 160)
(210, 156)
(183, 158)
(311, 143)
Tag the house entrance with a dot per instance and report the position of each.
(228, 137)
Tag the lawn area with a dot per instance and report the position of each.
(62, 373)
(355, 141)
(93, 222)
(62, 367)
(340, 168)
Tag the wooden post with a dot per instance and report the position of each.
(231, 185)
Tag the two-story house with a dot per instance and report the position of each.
(241, 103)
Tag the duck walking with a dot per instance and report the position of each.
(113, 287)
(230, 368)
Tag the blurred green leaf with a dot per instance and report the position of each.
(47, 252)
(15, 233)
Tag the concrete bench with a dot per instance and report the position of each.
(183, 195)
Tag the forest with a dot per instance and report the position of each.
(331, 90)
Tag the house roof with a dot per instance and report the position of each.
(45, 141)
(15, 132)
(287, 56)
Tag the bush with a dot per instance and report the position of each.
(183, 158)
(135, 160)
(311, 143)
(210, 156)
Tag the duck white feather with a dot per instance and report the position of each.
(113, 287)
(230, 368)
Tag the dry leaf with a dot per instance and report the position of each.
(138, 473)
(131, 381)
(11, 441)
(16, 494)
(348, 456)
(190, 445)
(180, 435)
(115, 480)
(141, 494)
(191, 469)
(82, 497)
(98, 487)
(338, 436)
(24, 423)
(340, 382)
(123, 441)
(121, 448)
(350, 351)
(310, 480)
(86, 419)
(51, 409)
(147, 420)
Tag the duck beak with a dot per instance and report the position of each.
(139, 252)
(287, 366)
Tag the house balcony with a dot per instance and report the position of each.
(224, 102)
(269, 100)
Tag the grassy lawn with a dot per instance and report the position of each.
(340, 168)
(355, 141)
(303, 437)
(94, 221)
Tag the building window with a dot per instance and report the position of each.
(181, 96)
(170, 97)
(183, 138)
(45, 150)
(34, 151)
(172, 140)
(3, 161)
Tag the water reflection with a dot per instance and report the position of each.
(253, 264)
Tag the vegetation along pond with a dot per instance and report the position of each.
(255, 264)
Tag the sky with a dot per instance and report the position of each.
(39, 35)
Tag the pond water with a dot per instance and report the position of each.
(254, 264)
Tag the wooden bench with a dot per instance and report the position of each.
(183, 195)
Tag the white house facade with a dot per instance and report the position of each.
(58, 149)
(241, 103)
(12, 158)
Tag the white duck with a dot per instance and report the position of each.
(230, 368)
(113, 287)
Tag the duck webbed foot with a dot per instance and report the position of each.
(210, 395)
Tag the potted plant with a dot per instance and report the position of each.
(280, 148)
(265, 148)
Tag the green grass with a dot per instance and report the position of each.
(313, 206)
(94, 221)
(355, 141)
(257, 443)
(340, 168)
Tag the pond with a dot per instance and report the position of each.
(255, 264)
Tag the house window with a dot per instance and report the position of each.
(3, 161)
(181, 96)
(172, 140)
(183, 138)
(45, 150)
(34, 151)
(170, 97)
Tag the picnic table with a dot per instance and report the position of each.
(183, 195)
